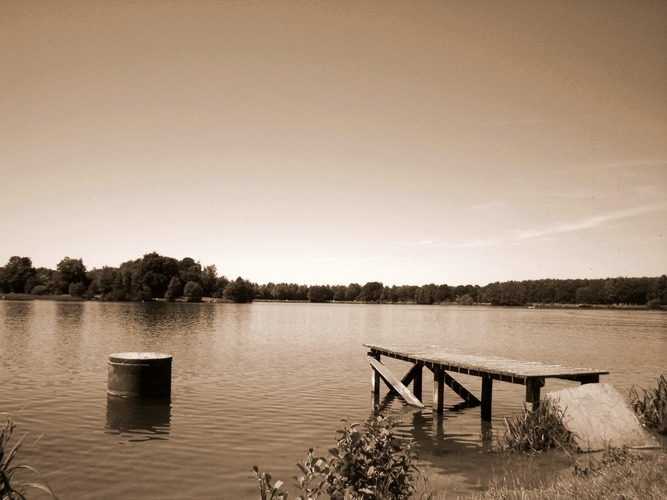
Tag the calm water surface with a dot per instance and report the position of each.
(259, 384)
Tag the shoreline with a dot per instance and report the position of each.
(211, 300)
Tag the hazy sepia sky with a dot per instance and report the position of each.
(338, 141)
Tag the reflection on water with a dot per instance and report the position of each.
(69, 315)
(17, 316)
(163, 317)
(138, 419)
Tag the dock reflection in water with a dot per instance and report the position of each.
(138, 419)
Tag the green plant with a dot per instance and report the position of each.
(651, 405)
(267, 491)
(8, 491)
(314, 481)
(373, 463)
(369, 462)
(538, 430)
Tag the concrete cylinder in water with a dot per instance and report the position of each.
(139, 375)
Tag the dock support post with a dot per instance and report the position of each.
(375, 380)
(438, 389)
(533, 386)
(417, 383)
(487, 397)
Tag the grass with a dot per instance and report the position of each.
(27, 296)
(619, 474)
(631, 477)
(651, 405)
(9, 471)
(537, 430)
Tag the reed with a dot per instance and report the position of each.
(8, 470)
(537, 430)
(651, 405)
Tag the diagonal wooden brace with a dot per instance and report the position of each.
(463, 393)
(393, 383)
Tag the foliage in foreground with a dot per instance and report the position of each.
(651, 405)
(369, 462)
(538, 430)
(8, 489)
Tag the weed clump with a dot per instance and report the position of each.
(651, 405)
(8, 488)
(538, 430)
(369, 462)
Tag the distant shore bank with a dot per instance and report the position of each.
(70, 298)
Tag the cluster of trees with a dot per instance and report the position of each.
(151, 277)
(158, 277)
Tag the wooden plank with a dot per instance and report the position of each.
(505, 369)
(600, 418)
(413, 375)
(396, 384)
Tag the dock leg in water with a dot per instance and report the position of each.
(417, 382)
(375, 381)
(487, 397)
(438, 389)
(533, 386)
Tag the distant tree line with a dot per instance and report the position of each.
(155, 276)
(650, 292)
(151, 277)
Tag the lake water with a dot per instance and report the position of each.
(259, 384)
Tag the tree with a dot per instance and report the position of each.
(18, 276)
(209, 276)
(190, 270)
(77, 289)
(319, 293)
(466, 300)
(103, 282)
(154, 274)
(220, 285)
(174, 290)
(240, 291)
(353, 292)
(71, 271)
(372, 292)
(193, 291)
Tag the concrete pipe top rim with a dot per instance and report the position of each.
(139, 356)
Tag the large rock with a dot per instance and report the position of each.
(600, 418)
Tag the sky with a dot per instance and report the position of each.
(322, 142)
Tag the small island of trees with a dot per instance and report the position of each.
(157, 277)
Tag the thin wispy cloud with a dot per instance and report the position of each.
(587, 222)
(517, 237)
(491, 205)
(550, 119)
(633, 163)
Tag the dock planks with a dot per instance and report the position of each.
(440, 360)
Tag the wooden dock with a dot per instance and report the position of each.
(489, 368)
